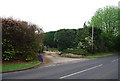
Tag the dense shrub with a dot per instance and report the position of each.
(20, 40)
(75, 51)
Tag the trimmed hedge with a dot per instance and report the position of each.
(20, 40)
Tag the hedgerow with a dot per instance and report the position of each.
(20, 40)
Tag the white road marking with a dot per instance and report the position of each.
(80, 71)
(115, 60)
(50, 65)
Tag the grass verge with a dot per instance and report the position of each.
(19, 66)
(99, 55)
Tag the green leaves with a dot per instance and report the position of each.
(49, 39)
(106, 33)
(107, 20)
(65, 38)
(20, 40)
(8, 55)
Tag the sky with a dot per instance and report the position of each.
(52, 15)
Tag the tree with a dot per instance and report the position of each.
(107, 20)
(81, 34)
(49, 39)
(98, 44)
(83, 38)
(65, 38)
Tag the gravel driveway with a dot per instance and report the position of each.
(57, 59)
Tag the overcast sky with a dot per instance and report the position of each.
(52, 15)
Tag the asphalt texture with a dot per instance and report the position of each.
(98, 68)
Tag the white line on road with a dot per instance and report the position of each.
(80, 71)
(50, 65)
(114, 60)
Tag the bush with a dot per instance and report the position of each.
(76, 51)
(20, 40)
(52, 49)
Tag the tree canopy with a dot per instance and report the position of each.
(106, 33)
(107, 19)
(65, 38)
(49, 39)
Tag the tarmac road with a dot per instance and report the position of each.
(99, 68)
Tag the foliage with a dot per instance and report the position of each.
(8, 50)
(65, 38)
(98, 44)
(49, 39)
(106, 33)
(107, 20)
(117, 43)
(20, 40)
(53, 49)
(100, 55)
(76, 51)
(83, 40)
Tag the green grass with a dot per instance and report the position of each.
(99, 55)
(19, 66)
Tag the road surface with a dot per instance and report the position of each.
(99, 68)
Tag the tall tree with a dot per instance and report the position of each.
(49, 39)
(107, 19)
(65, 38)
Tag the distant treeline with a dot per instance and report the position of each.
(20, 40)
(106, 33)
